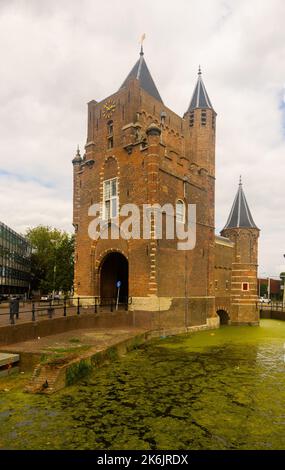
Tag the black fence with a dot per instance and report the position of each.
(33, 311)
(271, 306)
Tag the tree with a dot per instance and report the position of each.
(52, 262)
(263, 290)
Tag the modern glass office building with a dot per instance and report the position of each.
(15, 262)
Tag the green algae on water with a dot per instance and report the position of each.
(215, 389)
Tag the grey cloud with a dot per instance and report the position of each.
(56, 56)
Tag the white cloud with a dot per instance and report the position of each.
(56, 56)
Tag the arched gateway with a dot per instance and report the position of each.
(224, 317)
(114, 270)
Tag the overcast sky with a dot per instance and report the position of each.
(56, 55)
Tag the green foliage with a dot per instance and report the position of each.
(52, 259)
(263, 290)
(282, 276)
(77, 371)
(112, 353)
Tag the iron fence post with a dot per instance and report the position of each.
(78, 306)
(64, 307)
(111, 305)
(50, 309)
(33, 312)
(12, 319)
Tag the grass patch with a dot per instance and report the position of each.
(74, 340)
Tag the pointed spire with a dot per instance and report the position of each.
(141, 72)
(77, 158)
(200, 98)
(240, 215)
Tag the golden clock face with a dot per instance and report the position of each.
(108, 108)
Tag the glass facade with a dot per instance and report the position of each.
(15, 262)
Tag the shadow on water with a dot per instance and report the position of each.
(211, 390)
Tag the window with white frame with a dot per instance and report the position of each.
(110, 199)
(180, 211)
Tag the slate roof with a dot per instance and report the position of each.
(141, 72)
(240, 215)
(200, 98)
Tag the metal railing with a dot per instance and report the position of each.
(33, 311)
(273, 306)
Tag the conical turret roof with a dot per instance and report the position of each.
(240, 215)
(141, 72)
(200, 98)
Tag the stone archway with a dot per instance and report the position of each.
(114, 267)
(224, 317)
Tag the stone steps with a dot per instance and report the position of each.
(43, 379)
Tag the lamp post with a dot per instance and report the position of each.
(54, 242)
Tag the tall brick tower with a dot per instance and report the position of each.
(201, 142)
(241, 229)
(139, 151)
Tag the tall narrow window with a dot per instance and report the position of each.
(203, 117)
(180, 211)
(110, 196)
(191, 119)
(110, 129)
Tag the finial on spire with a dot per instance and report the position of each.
(141, 43)
(199, 70)
(240, 181)
(78, 151)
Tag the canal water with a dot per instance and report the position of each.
(219, 389)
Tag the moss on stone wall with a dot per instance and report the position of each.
(78, 370)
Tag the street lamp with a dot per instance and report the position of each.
(54, 242)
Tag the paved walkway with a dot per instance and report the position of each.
(74, 341)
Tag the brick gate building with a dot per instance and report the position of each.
(138, 151)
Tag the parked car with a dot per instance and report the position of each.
(46, 298)
(265, 300)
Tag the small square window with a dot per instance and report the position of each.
(245, 286)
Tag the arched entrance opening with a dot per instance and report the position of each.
(114, 271)
(224, 317)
